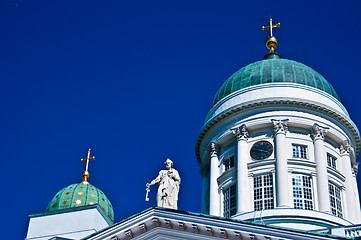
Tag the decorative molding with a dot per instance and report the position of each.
(142, 228)
(355, 167)
(168, 224)
(240, 132)
(345, 147)
(252, 236)
(209, 231)
(206, 226)
(280, 126)
(213, 149)
(195, 228)
(156, 222)
(182, 226)
(128, 234)
(336, 115)
(318, 132)
(223, 233)
(238, 235)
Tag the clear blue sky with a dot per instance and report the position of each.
(133, 80)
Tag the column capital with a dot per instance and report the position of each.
(280, 126)
(318, 132)
(213, 149)
(355, 167)
(240, 132)
(345, 147)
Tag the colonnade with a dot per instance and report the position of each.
(282, 181)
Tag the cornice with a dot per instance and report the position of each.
(186, 225)
(236, 109)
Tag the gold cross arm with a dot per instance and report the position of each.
(87, 160)
(271, 26)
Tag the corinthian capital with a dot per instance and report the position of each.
(345, 147)
(318, 132)
(240, 132)
(355, 167)
(213, 149)
(280, 126)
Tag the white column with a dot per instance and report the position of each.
(357, 198)
(243, 195)
(282, 181)
(214, 204)
(350, 207)
(317, 134)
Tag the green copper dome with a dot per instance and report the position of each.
(81, 194)
(273, 69)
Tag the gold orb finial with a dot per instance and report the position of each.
(271, 41)
(86, 174)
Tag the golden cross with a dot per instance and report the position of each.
(270, 27)
(87, 160)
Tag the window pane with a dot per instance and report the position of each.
(230, 201)
(331, 161)
(229, 163)
(335, 199)
(263, 192)
(299, 151)
(302, 191)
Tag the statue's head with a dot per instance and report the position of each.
(168, 163)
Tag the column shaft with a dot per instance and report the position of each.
(214, 204)
(282, 187)
(243, 195)
(321, 176)
(321, 168)
(350, 207)
(282, 181)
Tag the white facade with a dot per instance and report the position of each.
(306, 177)
(72, 223)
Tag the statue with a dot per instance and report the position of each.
(168, 181)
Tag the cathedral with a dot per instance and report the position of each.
(277, 155)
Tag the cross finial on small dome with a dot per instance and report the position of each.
(271, 41)
(86, 174)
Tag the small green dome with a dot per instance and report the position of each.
(273, 69)
(81, 194)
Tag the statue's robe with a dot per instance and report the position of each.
(167, 195)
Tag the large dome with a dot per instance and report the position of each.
(274, 69)
(81, 194)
